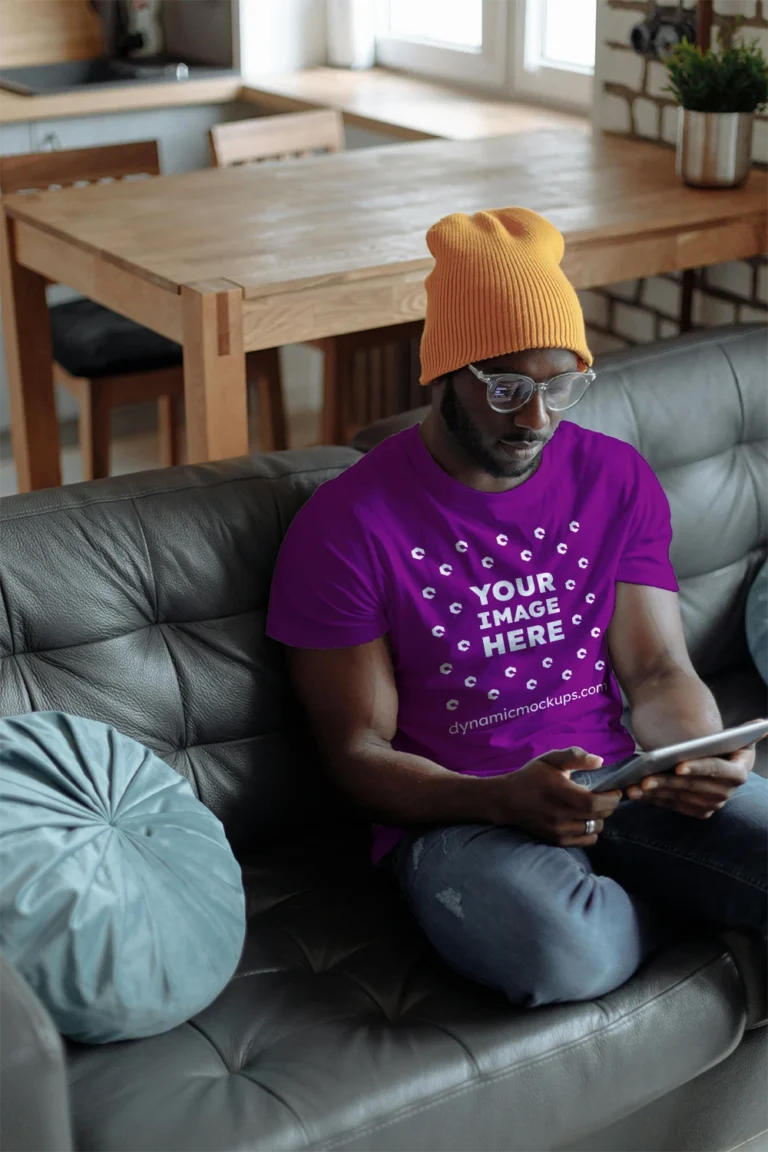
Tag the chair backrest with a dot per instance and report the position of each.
(277, 137)
(36, 171)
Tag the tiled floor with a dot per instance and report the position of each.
(135, 449)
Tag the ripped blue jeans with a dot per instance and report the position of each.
(545, 924)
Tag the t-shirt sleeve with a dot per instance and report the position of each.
(645, 557)
(325, 590)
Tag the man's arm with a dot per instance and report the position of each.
(351, 699)
(668, 701)
(648, 652)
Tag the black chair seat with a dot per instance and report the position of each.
(89, 340)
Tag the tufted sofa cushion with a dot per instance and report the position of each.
(140, 601)
(342, 1030)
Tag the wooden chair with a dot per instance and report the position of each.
(277, 138)
(103, 359)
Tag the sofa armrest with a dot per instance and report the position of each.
(33, 1081)
(369, 437)
(750, 952)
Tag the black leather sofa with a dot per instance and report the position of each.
(141, 601)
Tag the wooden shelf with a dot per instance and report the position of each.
(48, 31)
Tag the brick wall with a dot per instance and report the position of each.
(630, 101)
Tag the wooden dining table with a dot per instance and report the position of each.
(229, 261)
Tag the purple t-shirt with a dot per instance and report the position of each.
(497, 605)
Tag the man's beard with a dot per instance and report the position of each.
(469, 438)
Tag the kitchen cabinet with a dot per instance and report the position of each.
(355, 137)
(15, 138)
(182, 133)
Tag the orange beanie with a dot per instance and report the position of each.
(497, 287)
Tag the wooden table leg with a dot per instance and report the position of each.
(214, 371)
(262, 369)
(170, 430)
(337, 389)
(686, 300)
(29, 360)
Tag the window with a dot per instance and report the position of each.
(554, 49)
(461, 22)
(463, 40)
(541, 49)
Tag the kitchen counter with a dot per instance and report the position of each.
(407, 107)
(94, 99)
(403, 107)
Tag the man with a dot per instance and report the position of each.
(460, 608)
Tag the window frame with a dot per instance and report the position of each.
(514, 33)
(559, 84)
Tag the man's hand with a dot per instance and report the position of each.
(542, 799)
(697, 788)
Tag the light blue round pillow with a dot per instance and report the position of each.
(121, 901)
(757, 621)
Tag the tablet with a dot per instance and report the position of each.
(665, 759)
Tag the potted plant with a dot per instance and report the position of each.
(718, 93)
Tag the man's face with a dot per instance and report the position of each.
(503, 444)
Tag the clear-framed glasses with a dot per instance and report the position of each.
(506, 392)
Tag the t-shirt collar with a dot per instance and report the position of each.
(447, 490)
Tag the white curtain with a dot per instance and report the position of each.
(351, 33)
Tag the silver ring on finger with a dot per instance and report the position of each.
(590, 827)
